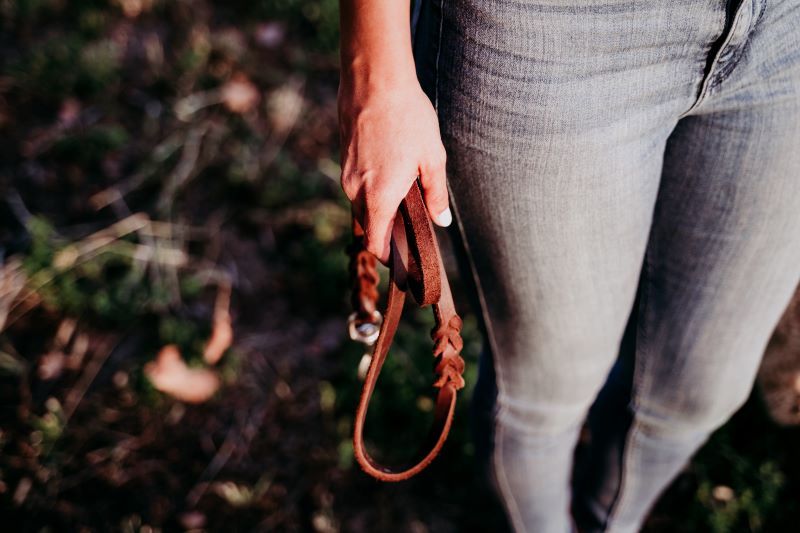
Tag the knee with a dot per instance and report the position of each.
(552, 395)
(549, 406)
(696, 412)
(548, 378)
(538, 420)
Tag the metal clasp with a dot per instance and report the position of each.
(367, 334)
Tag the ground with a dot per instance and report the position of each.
(169, 168)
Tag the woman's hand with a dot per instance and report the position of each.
(389, 130)
(390, 135)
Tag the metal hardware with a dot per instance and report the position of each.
(365, 332)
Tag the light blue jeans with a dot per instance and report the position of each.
(625, 177)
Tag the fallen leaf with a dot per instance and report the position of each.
(50, 365)
(193, 520)
(69, 113)
(722, 493)
(170, 374)
(220, 340)
(240, 95)
(284, 106)
(221, 329)
(21, 492)
(134, 8)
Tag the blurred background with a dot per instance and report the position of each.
(174, 291)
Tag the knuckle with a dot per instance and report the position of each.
(359, 183)
(436, 186)
(379, 203)
(434, 165)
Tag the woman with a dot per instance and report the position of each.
(592, 148)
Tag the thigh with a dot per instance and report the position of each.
(555, 124)
(724, 255)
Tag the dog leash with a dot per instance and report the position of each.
(415, 266)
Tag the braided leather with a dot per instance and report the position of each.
(364, 273)
(450, 365)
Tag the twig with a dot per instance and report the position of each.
(73, 398)
(291, 105)
(161, 153)
(185, 167)
(105, 240)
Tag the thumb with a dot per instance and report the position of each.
(434, 188)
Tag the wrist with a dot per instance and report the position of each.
(360, 73)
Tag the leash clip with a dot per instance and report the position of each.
(365, 332)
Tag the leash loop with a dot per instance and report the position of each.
(415, 267)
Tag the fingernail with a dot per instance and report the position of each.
(445, 218)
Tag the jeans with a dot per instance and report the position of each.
(625, 178)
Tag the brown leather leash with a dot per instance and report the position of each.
(415, 266)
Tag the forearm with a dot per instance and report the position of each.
(389, 128)
(375, 43)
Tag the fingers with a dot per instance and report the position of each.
(378, 224)
(375, 210)
(376, 197)
(434, 186)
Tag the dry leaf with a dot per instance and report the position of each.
(220, 340)
(69, 113)
(240, 95)
(192, 520)
(221, 330)
(170, 375)
(722, 493)
(284, 106)
(50, 365)
(134, 8)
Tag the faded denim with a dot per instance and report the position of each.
(625, 177)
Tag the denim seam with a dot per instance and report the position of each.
(438, 55)
(760, 13)
(639, 377)
(499, 472)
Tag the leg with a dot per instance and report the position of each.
(554, 168)
(721, 266)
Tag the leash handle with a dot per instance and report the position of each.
(415, 266)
